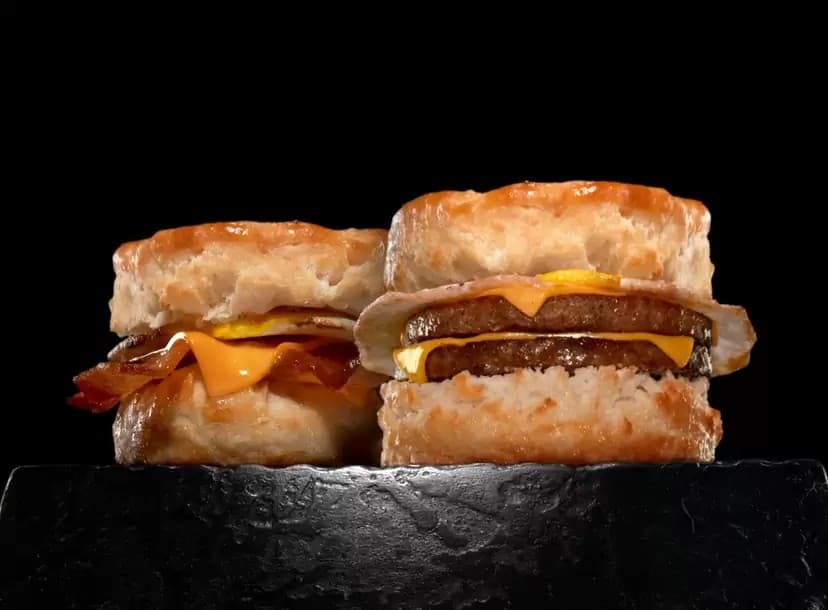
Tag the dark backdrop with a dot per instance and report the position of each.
(108, 176)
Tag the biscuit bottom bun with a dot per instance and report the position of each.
(177, 422)
(238, 346)
(597, 414)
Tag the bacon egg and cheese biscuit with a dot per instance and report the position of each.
(239, 346)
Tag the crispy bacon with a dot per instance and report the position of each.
(135, 346)
(102, 387)
(360, 390)
(330, 363)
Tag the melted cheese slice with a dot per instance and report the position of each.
(231, 367)
(411, 360)
(529, 299)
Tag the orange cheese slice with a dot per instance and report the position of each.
(231, 367)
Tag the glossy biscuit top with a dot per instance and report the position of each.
(221, 271)
(531, 228)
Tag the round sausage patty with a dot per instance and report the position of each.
(485, 358)
(559, 314)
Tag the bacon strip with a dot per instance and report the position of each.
(100, 388)
(331, 364)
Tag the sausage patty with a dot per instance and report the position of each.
(561, 314)
(501, 357)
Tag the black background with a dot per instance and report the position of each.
(145, 152)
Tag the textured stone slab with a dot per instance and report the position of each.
(746, 534)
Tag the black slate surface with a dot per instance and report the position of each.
(728, 535)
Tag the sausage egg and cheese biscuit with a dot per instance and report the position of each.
(239, 346)
(569, 323)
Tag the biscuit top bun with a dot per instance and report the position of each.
(219, 272)
(532, 228)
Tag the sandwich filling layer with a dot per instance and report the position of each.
(488, 335)
(233, 357)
